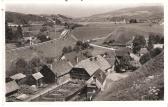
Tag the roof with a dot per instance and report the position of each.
(143, 50)
(37, 75)
(158, 45)
(111, 61)
(100, 76)
(18, 76)
(72, 56)
(61, 67)
(101, 62)
(88, 65)
(11, 86)
(22, 97)
(122, 51)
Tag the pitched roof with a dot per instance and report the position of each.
(101, 62)
(18, 76)
(88, 65)
(100, 76)
(72, 56)
(61, 67)
(37, 75)
(11, 86)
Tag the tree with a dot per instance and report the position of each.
(145, 58)
(43, 38)
(133, 21)
(155, 52)
(65, 50)
(8, 33)
(43, 29)
(138, 43)
(19, 33)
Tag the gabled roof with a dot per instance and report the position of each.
(72, 56)
(18, 76)
(101, 62)
(88, 65)
(11, 86)
(37, 76)
(100, 76)
(61, 67)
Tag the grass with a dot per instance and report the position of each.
(48, 49)
(138, 85)
(96, 30)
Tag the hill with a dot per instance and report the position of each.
(123, 34)
(20, 18)
(146, 83)
(142, 12)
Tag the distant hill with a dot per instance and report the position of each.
(124, 34)
(142, 12)
(20, 18)
(139, 85)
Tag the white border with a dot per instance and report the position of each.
(82, 104)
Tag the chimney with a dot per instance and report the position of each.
(77, 60)
(50, 66)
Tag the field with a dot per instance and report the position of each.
(97, 30)
(51, 48)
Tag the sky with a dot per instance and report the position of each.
(71, 8)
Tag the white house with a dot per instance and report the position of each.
(158, 45)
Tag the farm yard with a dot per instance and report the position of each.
(63, 93)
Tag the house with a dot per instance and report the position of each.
(38, 78)
(98, 80)
(49, 75)
(158, 46)
(143, 51)
(20, 78)
(61, 70)
(102, 63)
(11, 87)
(122, 58)
(84, 69)
(129, 44)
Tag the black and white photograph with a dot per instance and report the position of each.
(87, 51)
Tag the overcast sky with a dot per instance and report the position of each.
(72, 9)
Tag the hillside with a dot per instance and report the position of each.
(146, 83)
(20, 18)
(51, 48)
(142, 12)
(126, 33)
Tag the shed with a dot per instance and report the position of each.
(19, 78)
(38, 78)
(11, 87)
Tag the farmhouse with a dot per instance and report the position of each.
(101, 62)
(84, 69)
(11, 87)
(61, 70)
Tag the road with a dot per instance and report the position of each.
(101, 47)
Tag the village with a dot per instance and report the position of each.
(49, 62)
